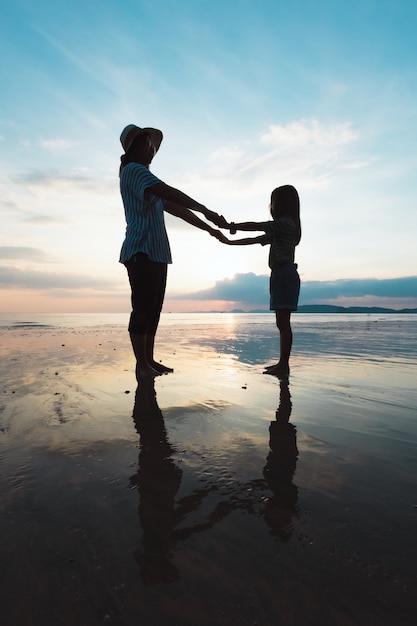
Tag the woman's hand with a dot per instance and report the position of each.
(212, 216)
(219, 235)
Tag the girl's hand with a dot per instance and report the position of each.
(217, 219)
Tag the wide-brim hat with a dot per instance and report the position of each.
(130, 132)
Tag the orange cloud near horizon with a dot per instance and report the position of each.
(33, 301)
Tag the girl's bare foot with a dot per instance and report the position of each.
(268, 367)
(281, 371)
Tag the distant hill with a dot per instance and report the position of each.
(329, 308)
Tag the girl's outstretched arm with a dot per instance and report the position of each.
(233, 227)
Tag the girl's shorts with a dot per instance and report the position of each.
(284, 287)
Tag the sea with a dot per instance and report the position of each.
(371, 335)
(215, 495)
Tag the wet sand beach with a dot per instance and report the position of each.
(216, 494)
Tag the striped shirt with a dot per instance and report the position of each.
(144, 213)
(281, 233)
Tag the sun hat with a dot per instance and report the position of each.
(130, 132)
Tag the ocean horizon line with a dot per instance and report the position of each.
(306, 308)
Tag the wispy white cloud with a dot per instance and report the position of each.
(25, 253)
(303, 147)
(12, 277)
(56, 145)
(308, 151)
(76, 179)
(43, 220)
(9, 206)
(309, 135)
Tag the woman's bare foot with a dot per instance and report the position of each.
(144, 370)
(160, 368)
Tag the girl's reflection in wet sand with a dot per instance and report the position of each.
(280, 467)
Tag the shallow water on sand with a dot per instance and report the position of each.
(214, 495)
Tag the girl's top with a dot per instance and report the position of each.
(144, 212)
(281, 233)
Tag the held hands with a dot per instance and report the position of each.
(220, 222)
(217, 219)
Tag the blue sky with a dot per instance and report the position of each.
(319, 94)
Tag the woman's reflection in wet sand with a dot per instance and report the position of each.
(281, 508)
(158, 479)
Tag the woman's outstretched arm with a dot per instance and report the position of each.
(177, 197)
(188, 216)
